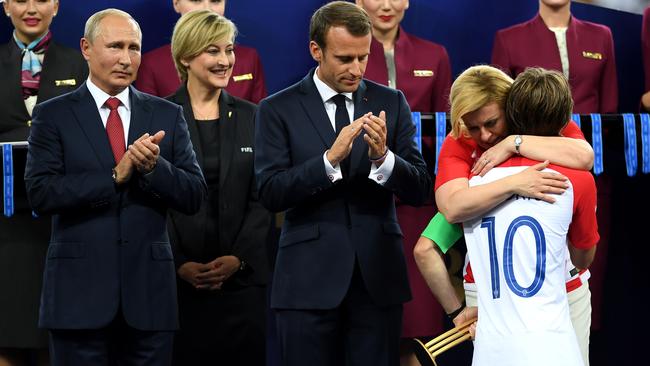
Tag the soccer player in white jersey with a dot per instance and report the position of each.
(518, 249)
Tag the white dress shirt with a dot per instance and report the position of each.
(379, 174)
(124, 110)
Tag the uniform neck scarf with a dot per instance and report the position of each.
(31, 66)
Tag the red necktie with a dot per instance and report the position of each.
(115, 130)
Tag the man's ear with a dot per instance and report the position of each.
(316, 51)
(84, 45)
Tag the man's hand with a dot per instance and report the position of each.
(375, 136)
(343, 144)
(145, 151)
(124, 169)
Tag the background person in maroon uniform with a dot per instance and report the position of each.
(158, 75)
(556, 40)
(421, 70)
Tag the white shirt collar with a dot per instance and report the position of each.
(101, 96)
(326, 93)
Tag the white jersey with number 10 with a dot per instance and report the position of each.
(518, 252)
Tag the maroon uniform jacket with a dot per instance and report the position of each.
(422, 71)
(423, 74)
(592, 66)
(158, 74)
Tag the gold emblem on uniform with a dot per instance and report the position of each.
(248, 76)
(592, 55)
(422, 73)
(66, 82)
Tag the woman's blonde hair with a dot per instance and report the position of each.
(475, 88)
(195, 32)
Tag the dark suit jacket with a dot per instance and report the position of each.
(592, 63)
(422, 68)
(329, 226)
(60, 64)
(243, 222)
(158, 75)
(109, 246)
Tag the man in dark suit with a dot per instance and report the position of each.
(109, 293)
(340, 277)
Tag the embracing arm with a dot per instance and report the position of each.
(574, 153)
(459, 202)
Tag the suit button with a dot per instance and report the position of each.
(29, 123)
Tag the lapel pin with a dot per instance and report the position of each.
(229, 114)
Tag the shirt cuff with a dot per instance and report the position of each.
(382, 173)
(333, 173)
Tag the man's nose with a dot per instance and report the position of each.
(355, 68)
(125, 57)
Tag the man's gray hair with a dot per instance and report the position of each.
(92, 29)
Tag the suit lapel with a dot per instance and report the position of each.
(227, 134)
(315, 110)
(141, 115)
(359, 147)
(87, 116)
(182, 98)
